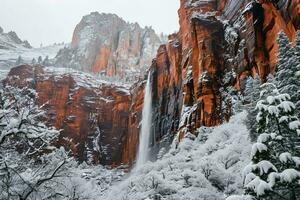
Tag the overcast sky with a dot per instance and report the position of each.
(49, 21)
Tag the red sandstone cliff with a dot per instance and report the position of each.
(219, 43)
(217, 39)
(92, 115)
(105, 44)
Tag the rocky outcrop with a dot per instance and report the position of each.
(107, 45)
(93, 116)
(10, 41)
(218, 45)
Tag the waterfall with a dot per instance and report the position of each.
(142, 154)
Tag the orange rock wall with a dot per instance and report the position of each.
(216, 38)
(106, 44)
(86, 115)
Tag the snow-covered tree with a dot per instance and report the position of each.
(274, 172)
(251, 97)
(24, 139)
(40, 60)
(287, 69)
(19, 119)
(33, 61)
(19, 61)
(46, 61)
(297, 44)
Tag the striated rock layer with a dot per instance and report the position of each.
(218, 45)
(93, 115)
(105, 44)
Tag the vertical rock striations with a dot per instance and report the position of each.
(92, 115)
(107, 45)
(219, 43)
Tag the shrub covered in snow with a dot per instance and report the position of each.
(30, 167)
(23, 139)
(198, 168)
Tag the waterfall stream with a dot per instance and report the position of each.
(144, 139)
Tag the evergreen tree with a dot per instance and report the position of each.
(33, 62)
(40, 60)
(46, 61)
(287, 69)
(297, 52)
(19, 61)
(275, 169)
(251, 97)
(297, 44)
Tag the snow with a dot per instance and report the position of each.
(273, 176)
(289, 175)
(285, 157)
(258, 147)
(296, 161)
(283, 119)
(186, 111)
(287, 106)
(294, 125)
(273, 110)
(9, 57)
(297, 74)
(86, 80)
(262, 188)
(258, 186)
(248, 175)
(265, 166)
(194, 168)
(240, 197)
(270, 99)
(95, 36)
(248, 8)
(283, 97)
(262, 138)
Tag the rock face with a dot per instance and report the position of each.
(107, 45)
(93, 116)
(220, 42)
(10, 41)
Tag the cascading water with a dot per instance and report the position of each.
(144, 141)
(142, 155)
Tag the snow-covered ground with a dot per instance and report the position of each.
(9, 57)
(204, 167)
(87, 80)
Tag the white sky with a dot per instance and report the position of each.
(49, 21)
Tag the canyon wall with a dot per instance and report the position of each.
(105, 44)
(92, 115)
(218, 45)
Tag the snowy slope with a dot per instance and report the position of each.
(204, 167)
(9, 57)
(11, 47)
(11, 40)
